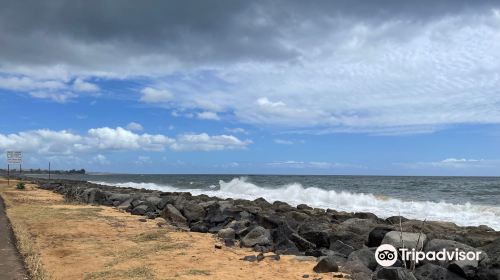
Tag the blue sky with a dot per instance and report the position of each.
(401, 91)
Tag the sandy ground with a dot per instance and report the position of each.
(96, 242)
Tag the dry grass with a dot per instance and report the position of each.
(30, 253)
(25, 243)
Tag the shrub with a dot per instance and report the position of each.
(20, 186)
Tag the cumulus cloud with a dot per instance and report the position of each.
(49, 142)
(152, 95)
(205, 142)
(208, 116)
(81, 85)
(133, 126)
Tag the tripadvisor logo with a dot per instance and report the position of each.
(387, 255)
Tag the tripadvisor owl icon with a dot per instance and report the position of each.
(386, 255)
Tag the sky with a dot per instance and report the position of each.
(267, 87)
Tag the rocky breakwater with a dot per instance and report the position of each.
(337, 239)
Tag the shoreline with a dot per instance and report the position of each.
(281, 228)
(81, 241)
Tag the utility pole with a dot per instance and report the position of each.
(49, 170)
(8, 175)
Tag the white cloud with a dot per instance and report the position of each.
(121, 139)
(342, 73)
(208, 116)
(65, 143)
(133, 126)
(22, 83)
(311, 165)
(283, 142)
(153, 95)
(59, 97)
(454, 163)
(100, 159)
(236, 130)
(205, 142)
(83, 86)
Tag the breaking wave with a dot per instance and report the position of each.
(462, 214)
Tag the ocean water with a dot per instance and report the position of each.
(462, 200)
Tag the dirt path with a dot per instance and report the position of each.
(11, 265)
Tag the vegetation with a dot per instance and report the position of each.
(20, 186)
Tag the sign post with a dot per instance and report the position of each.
(13, 157)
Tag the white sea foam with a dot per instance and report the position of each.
(462, 214)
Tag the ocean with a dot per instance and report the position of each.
(466, 201)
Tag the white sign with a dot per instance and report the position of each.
(14, 157)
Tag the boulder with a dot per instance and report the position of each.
(341, 248)
(376, 236)
(226, 233)
(435, 245)
(140, 210)
(353, 232)
(394, 273)
(127, 204)
(365, 256)
(396, 220)
(257, 236)
(317, 232)
(430, 271)
(326, 264)
(93, 196)
(365, 215)
(464, 268)
(409, 240)
(493, 251)
(199, 227)
(194, 212)
(171, 214)
(301, 243)
(153, 200)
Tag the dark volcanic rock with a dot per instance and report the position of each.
(257, 236)
(365, 256)
(227, 233)
(434, 272)
(353, 232)
(171, 214)
(394, 273)
(140, 210)
(317, 232)
(450, 245)
(396, 220)
(193, 211)
(377, 235)
(326, 264)
(341, 248)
